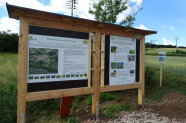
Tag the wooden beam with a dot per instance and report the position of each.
(102, 59)
(58, 93)
(120, 87)
(80, 27)
(96, 72)
(141, 91)
(89, 60)
(22, 71)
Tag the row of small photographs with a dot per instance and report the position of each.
(56, 76)
(117, 65)
(113, 73)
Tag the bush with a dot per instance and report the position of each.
(8, 42)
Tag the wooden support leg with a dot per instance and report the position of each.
(22, 71)
(65, 106)
(141, 90)
(96, 75)
(21, 108)
(95, 102)
(140, 96)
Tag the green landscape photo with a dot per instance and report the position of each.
(43, 61)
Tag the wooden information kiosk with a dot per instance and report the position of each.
(63, 56)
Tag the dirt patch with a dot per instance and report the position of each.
(172, 106)
(171, 109)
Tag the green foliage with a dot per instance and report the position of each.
(8, 89)
(174, 71)
(42, 108)
(8, 106)
(8, 41)
(112, 109)
(150, 79)
(73, 120)
(107, 11)
(89, 100)
(108, 96)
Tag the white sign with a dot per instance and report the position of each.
(122, 60)
(162, 57)
(54, 58)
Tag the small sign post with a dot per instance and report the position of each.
(161, 60)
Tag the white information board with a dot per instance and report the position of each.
(122, 60)
(52, 58)
(162, 57)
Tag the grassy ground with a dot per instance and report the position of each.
(8, 79)
(174, 80)
(169, 51)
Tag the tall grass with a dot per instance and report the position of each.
(174, 76)
(8, 89)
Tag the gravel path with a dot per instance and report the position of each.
(143, 116)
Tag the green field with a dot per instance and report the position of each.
(174, 75)
(169, 51)
(174, 80)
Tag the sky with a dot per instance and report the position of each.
(167, 17)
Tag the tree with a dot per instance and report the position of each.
(107, 11)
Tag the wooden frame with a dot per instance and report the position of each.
(44, 19)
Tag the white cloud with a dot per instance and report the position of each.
(59, 6)
(9, 24)
(131, 10)
(138, 2)
(172, 28)
(142, 27)
(54, 6)
(168, 42)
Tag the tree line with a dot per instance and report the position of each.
(8, 41)
(150, 45)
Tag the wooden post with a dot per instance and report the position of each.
(102, 60)
(161, 69)
(90, 60)
(141, 90)
(65, 106)
(96, 72)
(22, 71)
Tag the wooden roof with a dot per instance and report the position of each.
(16, 12)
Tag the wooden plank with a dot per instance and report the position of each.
(141, 91)
(58, 93)
(108, 88)
(79, 27)
(22, 71)
(102, 59)
(65, 106)
(96, 72)
(89, 60)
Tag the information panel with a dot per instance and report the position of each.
(57, 59)
(122, 60)
(53, 58)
